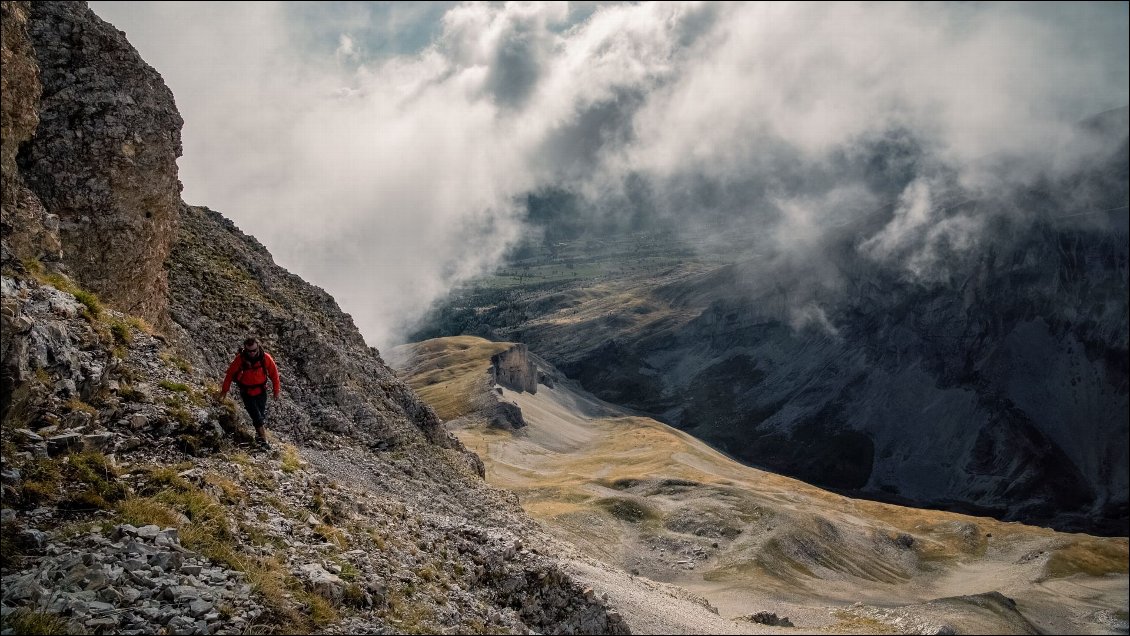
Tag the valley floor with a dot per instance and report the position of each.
(664, 509)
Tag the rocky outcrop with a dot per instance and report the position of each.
(25, 225)
(103, 158)
(514, 369)
(502, 413)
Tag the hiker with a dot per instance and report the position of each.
(251, 369)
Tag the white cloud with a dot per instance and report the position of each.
(389, 179)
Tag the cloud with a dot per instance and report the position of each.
(389, 168)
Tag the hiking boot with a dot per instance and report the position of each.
(263, 444)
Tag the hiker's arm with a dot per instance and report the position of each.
(232, 370)
(272, 372)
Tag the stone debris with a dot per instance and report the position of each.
(902, 620)
(127, 582)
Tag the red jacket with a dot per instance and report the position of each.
(253, 378)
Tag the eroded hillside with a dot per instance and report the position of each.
(663, 505)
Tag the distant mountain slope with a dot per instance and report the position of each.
(999, 385)
(662, 504)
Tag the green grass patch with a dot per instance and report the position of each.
(120, 331)
(168, 500)
(176, 361)
(82, 481)
(26, 621)
(348, 571)
(41, 481)
(92, 306)
(176, 387)
(103, 485)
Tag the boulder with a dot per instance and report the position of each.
(323, 582)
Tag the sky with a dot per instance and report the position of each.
(383, 151)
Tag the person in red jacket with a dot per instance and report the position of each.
(251, 370)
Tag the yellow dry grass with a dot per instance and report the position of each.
(599, 481)
(1089, 556)
(447, 372)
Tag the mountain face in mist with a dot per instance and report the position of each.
(997, 384)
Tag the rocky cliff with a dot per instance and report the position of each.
(514, 370)
(103, 157)
(127, 505)
(25, 224)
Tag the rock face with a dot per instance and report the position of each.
(25, 224)
(515, 370)
(103, 158)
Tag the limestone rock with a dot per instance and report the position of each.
(30, 231)
(323, 582)
(514, 370)
(104, 156)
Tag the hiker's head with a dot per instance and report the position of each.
(251, 346)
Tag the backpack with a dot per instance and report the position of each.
(252, 374)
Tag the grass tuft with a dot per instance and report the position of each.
(92, 306)
(121, 332)
(26, 621)
(176, 387)
(291, 461)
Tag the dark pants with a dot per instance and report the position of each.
(256, 406)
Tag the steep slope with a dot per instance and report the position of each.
(127, 505)
(664, 505)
